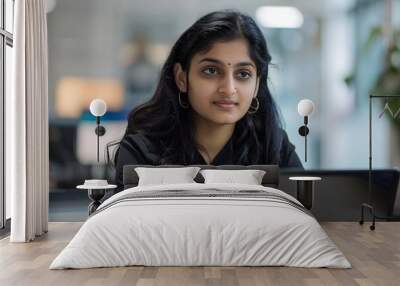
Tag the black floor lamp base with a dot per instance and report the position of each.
(374, 217)
(372, 210)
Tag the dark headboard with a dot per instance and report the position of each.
(270, 179)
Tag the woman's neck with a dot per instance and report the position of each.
(212, 137)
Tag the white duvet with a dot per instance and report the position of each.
(182, 231)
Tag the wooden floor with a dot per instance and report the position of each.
(374, 255)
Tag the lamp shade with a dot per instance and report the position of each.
(305, 107)
(98, 107)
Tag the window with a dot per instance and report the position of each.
(6, 44)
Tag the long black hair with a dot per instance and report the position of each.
(165, 122)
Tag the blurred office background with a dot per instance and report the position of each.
(333, 52)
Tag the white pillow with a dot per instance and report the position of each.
(162, 176)
(249, 177)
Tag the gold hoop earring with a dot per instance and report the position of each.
(185, 106)
(253, 109)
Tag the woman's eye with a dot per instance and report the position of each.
(244, 74)
(210, 71)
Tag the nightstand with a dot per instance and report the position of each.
(96, 191)
(305, 189)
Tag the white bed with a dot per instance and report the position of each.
(221, 225)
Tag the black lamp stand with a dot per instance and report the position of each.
(303, 131)
(100, 131)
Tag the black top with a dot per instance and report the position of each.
(137, 149)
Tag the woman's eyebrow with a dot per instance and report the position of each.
(221, 63)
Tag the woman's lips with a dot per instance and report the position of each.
(226, 104)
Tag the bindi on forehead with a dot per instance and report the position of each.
(229, 64)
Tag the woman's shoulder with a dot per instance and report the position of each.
(283, 140)
(284, 135)
(289, 157)
(141, 144)
(134, 149)
(138, 139)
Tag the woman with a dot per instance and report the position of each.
(212, 104)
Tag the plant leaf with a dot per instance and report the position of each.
(375, 34)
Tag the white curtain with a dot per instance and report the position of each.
(27, 142)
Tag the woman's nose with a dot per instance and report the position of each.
(228, 85)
